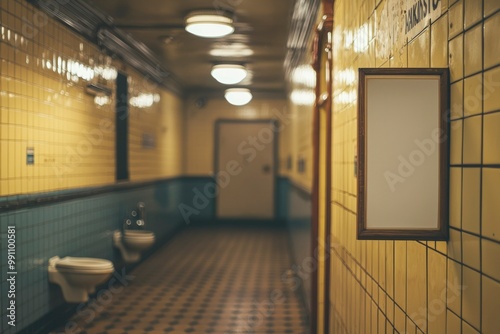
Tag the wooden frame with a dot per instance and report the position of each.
(403, 154)
(322, 54)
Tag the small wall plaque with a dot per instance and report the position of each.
(30, 156)
(148, 140)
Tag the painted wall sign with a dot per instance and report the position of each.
(418, 13)
(399, 21)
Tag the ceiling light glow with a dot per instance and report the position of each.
(304, 75)
(229, 74)
(238, 96)
(231, 50)
(303, 97)
(209, 24)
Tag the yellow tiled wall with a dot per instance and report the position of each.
(44, 106)
(296, 144)
(200, 125)
(418, 286)
(296, 139)
(164, 122)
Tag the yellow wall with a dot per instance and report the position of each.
(200, 125)
(44, 107)
(296, 139)
(297, 143)
(418, 286)
(164, 121)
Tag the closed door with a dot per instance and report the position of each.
(245, 169)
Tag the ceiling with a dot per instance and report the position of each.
(259, 41)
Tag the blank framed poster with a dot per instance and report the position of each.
(403, 154)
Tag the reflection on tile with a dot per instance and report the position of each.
(400, 320)
(471, 195)
(455, 245)
(490, 6)
(456, 133)
(491, 45)
(490, 200)
(456, 197)
(418, 50)
(456, 60)
(468, 329)
(416, 278)
(473, 11)
(470, 249)
(456, 18)
(472, 140)
(491, 92)
(439, 42)
(457, 100)
(400, 272)
(490, 258)
(454, 287)
(436, 289)
(473, 93)
(491, 139)
(471, 297)
(491, 295)
(473, 53)
(453, 323)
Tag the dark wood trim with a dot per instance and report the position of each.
(121, 128)
(315, 206)
(328, 7)
(322, 31)
(328, 177)
(442, 232)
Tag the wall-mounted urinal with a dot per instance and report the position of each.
(132, 243)
(78, 276)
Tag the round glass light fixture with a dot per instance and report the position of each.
(209, 24)
(238, 96)
(229, 74)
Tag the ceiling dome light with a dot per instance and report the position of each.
(229, 74)
(209, 24)
(238, 96)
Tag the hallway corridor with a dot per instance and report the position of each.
(216, 279)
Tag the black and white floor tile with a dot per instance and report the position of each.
(218, 279)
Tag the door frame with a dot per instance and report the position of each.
(275, 125)
(122, 118)
(322, 101)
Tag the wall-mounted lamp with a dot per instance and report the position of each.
(229, 74)
(209, 24)
(238, 96)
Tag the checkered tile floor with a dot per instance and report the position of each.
(218, 279)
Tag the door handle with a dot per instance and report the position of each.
(266, 169)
